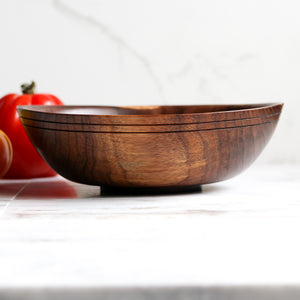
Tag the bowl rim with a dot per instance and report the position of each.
(42, 113)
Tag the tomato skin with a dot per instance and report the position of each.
(27, 162)
(6, 153)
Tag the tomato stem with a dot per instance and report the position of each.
(28, 88)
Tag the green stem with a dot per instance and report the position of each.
(28, 88)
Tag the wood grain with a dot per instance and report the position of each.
(160, 146)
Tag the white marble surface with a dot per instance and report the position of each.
(239, 238)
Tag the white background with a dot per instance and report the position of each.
(114, 52)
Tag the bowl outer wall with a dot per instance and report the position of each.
(151, 159)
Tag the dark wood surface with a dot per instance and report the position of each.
(158, 146)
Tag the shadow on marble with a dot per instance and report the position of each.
(10, 188)
(62, 189)
(57, 189)
(137, 192)
(112, 192)
(48, 190)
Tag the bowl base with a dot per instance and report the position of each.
(144, 191)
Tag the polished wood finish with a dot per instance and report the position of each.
(154, 146)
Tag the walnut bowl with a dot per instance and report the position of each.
(150, 146)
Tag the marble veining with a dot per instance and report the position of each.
(114, 37)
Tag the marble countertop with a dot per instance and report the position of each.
(238, 238)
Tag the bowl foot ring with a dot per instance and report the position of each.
(144, 191)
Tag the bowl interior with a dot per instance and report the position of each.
(140, 110)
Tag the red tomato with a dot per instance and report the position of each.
(6, 153)
(26, 163)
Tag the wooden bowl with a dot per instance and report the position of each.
(150, 146)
